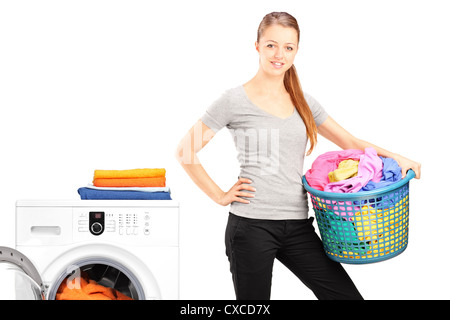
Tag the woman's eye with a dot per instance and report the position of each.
(289, 48)
(270, 46)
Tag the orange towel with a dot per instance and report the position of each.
(88, 290)
(132, 173)
(132, 182)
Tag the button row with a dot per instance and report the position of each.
(110, 226)
(128, 230)
(83, 224)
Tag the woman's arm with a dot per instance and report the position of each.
(331, 130)
(197, 137)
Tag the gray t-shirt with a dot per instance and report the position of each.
(271, 152)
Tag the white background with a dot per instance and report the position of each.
(88, 85)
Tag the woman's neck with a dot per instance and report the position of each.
(268, 84)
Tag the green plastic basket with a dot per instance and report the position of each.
(363, 227)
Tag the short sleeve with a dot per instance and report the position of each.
(318, 112)
(218, 114)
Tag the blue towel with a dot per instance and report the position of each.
(391, 174)
(94, 194)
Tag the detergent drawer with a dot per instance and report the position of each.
(43, 226)
(59, 222)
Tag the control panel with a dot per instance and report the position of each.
(156, 225)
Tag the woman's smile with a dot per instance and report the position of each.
(277, 64)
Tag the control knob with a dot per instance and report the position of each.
(96, 228)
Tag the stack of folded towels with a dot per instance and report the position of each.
(133, 184)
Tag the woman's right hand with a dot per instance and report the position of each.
(235, 193)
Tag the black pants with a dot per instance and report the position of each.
(253, 244)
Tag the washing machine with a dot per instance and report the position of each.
(130, 246)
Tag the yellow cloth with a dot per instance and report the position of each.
(132, 173)
(346, 169)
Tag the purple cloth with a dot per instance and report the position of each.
(370, 167)
(317, 176)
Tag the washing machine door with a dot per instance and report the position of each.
(19, 279)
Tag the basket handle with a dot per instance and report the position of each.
(410, 174)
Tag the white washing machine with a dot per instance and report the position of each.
(131, 246)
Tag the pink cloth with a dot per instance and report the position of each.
(370, 168)
(317, 176)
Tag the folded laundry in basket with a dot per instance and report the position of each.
(94, 194)
(131, 182)
(370, 168)
(83, 288)
(131, 173)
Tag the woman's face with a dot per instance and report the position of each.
(277, 48)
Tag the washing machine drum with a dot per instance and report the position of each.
(19, 278)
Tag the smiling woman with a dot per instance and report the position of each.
(271, 121)
(277, 42)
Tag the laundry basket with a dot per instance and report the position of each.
(363, 227)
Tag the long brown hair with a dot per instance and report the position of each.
(291, 80)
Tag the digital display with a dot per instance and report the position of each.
(98, 215)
